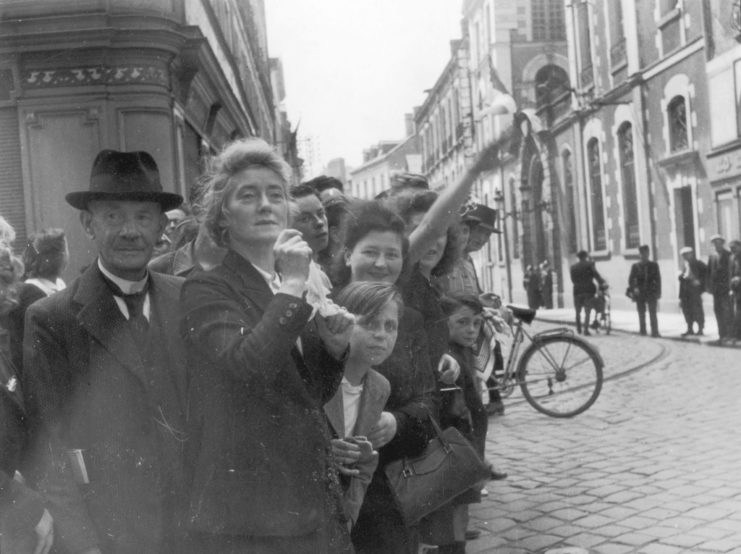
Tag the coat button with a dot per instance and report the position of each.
(282, 320)
(293, 305)
(289, 313)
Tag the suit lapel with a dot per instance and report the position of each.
(101, 318)
(335, 413)
(164, 295)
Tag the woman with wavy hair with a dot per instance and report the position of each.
(45, 258)
(260, 370)
(25, 525)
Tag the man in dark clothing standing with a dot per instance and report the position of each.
(104, 376)
(645, 287)
(583, 276)
(692, 281)
(719, 283)
(735, 273)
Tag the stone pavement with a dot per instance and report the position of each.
(653, 467)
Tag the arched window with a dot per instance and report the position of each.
(630, 195)
(677, 114)
(595, 190)
(568, 183)
(551, 82)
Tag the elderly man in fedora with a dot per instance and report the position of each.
(104, 376)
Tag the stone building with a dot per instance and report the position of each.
(444, 121)
(177, 78)
(384, 159)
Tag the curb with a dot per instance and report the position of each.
(700, 342)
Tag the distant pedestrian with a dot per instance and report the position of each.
(546, 284)
(531, 282)
(644, 285)
(692, 281)
(583, 276)
(735, 273)
(719, 283)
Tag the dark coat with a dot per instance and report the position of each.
(645, 277)
(583, 276)
(259, 447)
(20, 507)
(719, 273)
(420, 295)
(27, 295)
(88, 386)
(180, 262)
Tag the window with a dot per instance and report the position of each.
(617, 48)
(677, 114)
(595, 191)
(548, 20)
(551, 82)
(630, 196)
(586, 76)
(568, 183)
(727, 219)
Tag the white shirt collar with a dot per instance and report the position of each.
(126, 286)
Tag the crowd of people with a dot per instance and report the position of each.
(720, 277)
(243, 389)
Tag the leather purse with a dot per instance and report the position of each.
(448, 467)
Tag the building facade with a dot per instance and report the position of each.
(175, 78)
(444, 122)
(381, 161)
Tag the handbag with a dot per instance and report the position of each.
(447, 467)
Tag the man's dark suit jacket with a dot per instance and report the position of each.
(87, 387)
(583, 276)
(259, 447)
(645, 277)
(719, 273)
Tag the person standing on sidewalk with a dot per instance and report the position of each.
(692, 281)
(735, 274)
(583, 275)
(719, 283)
(546, 284)
(644, 284)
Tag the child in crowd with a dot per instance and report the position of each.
(359, 401)
(462, 407)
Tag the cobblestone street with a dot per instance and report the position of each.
(653, 467)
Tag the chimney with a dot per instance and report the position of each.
(409, 124)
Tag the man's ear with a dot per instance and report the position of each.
(86, 218)
(347, 253)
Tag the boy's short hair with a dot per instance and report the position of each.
(451, 303)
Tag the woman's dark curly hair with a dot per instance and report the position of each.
(406, 205)
(364, 217)
(45, 254)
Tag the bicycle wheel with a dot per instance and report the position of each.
(560, 376)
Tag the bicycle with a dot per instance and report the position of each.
(559, 373)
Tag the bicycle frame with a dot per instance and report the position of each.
(508, 378)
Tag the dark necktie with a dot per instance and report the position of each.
(135, 306)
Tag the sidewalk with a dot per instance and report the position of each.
(671, 326)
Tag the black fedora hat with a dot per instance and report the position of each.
(483, 216)
(124, 176)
